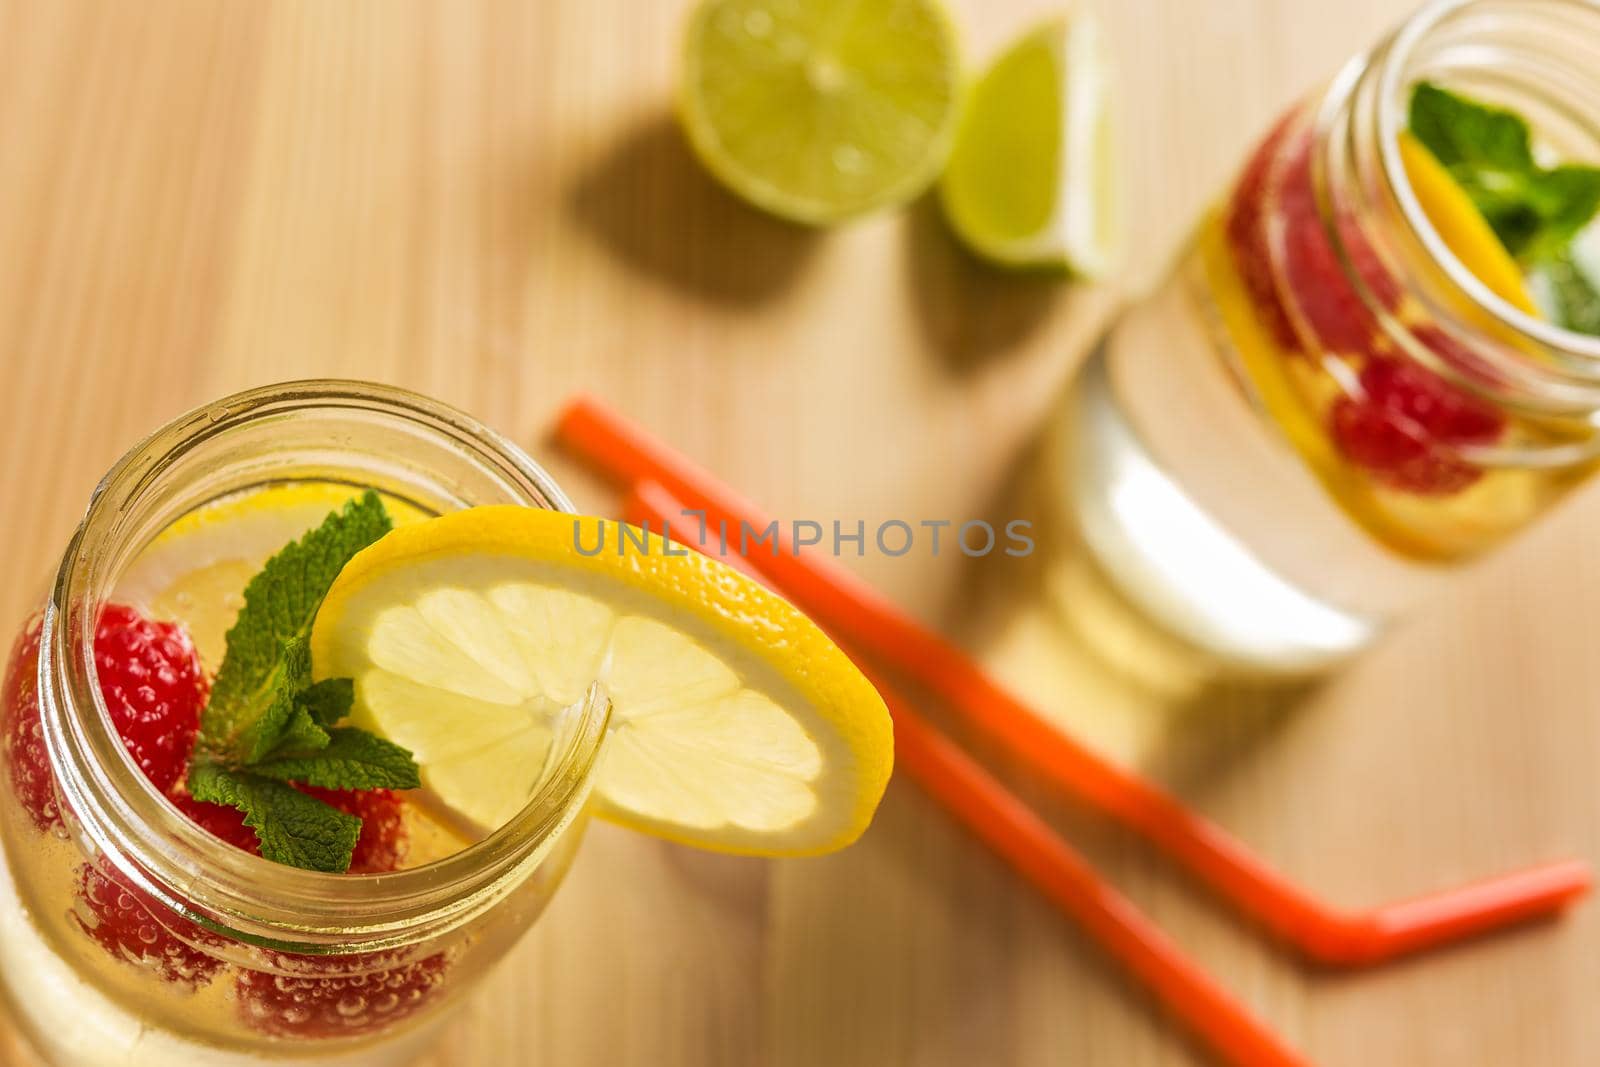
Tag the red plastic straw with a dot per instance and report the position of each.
(1040, 855)
(858, 615)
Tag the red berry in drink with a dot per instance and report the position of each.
(1245, 226)
(27, 763)
(220, 821)
(1276, 187)
(151, 681)
(326, 1000)
(1404, 426)
(1319, 284)
(118, 917)
(154, 688)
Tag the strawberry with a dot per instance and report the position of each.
(122, 920)
(1402, 427)
(380, 848)
(337, 998)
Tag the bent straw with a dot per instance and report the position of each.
(873, 625)
(1004, 823)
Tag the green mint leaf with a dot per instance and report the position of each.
(1566, 198)
(267, 725)
(329, 700)
(300, 736)
(1466, 133)
(353, 759)
(293, 828)
(279, 606)
(1534, 211)
(1573, 295)
(278, 711)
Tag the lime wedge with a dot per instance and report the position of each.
(1032, 177)
(823, 110)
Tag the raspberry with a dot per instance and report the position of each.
(1247, 234)
(1323, 292)
(154, 688)
(1312, 272)
(118, 917)
(380, 848)
(220, 821)
(27, 763)
(1401, 429)
(152, 684)
(326, 1003)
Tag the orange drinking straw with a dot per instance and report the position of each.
(855, 613)
(1036, 852)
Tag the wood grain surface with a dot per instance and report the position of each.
(489, 202)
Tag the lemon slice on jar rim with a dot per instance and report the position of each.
(736, 725)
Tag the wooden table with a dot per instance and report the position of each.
(488, 202)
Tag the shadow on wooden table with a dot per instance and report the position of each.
(970, 311)
(1063, 636)
(650, 202)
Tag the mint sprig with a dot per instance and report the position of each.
(1536, 211)
(1574, 298)
(267, 724)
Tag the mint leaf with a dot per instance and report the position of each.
(297, 726)
(267, 724)
(279, 606)
(301, 735)
(353, 759)
(329, 700)
(1575, 299)
(1488, 151)
(1467, 133)
(279, 710)
(1567, 198)
(293, 828)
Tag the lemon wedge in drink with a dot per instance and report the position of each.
(1462, 226)
(1031, 180)
(822, 110)
(194, 571)
(735, 723)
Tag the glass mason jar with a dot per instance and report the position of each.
(128, 934)
(1321, 412)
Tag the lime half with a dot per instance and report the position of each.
(1032, 176)
(821, 110)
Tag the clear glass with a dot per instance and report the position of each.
(230, 959)
(1321, 413)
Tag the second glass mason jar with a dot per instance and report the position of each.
(1322, 411)
(130, 936)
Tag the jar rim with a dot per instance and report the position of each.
(1394, 75)
(178, 862)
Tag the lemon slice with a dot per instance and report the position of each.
(194, 572)
(1461, 225)
(735, 723)
(1031, 180)
(822, 110)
